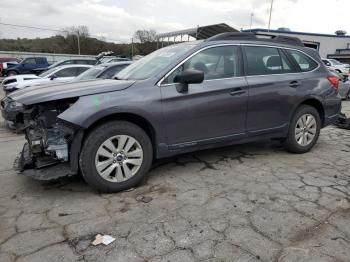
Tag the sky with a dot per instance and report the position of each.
(117, 20)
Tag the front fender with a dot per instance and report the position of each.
(143, 103)
(89, 109)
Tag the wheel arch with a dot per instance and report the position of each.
(136, 119)
(315, 103)
(12, 69)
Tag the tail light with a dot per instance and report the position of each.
(334, 80)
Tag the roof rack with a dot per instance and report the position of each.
(232, 36)
(254, 36)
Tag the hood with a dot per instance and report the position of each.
(45, 93)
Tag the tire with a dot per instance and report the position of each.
(125, 174)
(296, 142)
(12, 73)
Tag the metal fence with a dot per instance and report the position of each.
(51, 58)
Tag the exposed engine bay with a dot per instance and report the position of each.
(48, 138)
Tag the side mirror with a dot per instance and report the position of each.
(53, 77)
(189, 76)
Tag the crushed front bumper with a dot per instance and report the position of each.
(24, 166)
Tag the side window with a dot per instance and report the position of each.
(30, 61)
(286, 64)
(215, 63)
(68, 62)
(80, 62)
(40, 60)
(305, 62)
(67, 72)
(110, 72)
(326, 62)
(266, 60)
(80, 70)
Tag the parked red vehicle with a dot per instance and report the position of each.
(5, 60)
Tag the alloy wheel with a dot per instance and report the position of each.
(305, 130)
(119, 158)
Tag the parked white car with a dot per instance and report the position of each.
(58, 74)
(336, 65)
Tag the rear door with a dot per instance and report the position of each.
(273, 82)
(212, 110)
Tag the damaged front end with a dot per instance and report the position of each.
(52, 146)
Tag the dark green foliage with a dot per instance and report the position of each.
(67, 43)
(64, 45)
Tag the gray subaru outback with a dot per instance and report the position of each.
(231, 88)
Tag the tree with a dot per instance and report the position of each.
(75, 37)
(81, 30)
(145, 36)
(145, 41)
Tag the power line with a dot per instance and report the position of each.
(33, 27)
(53, 30)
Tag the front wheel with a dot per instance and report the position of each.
(116, 156)
(11, 73)
(304, 130)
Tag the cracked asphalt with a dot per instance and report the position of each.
(252, 202)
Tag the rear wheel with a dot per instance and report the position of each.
(304, 130)
(116, 156)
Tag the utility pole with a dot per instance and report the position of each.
(78, 42)
(132, 48)
(268, 29)
(251, 21)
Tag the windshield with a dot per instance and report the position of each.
(48, 72)
(90, 74)
(336, 62)
(153, 63)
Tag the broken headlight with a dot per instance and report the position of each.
(15, 105)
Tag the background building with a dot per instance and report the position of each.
(329, 46)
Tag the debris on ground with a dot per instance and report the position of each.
(144, 199)
(344, 204)
(343, 122)
(103, 239)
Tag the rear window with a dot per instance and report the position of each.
(40, 60)
(305, 62)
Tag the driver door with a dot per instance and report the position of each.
(212, 110)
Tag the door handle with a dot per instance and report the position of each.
(294, 84)
(237, 91)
